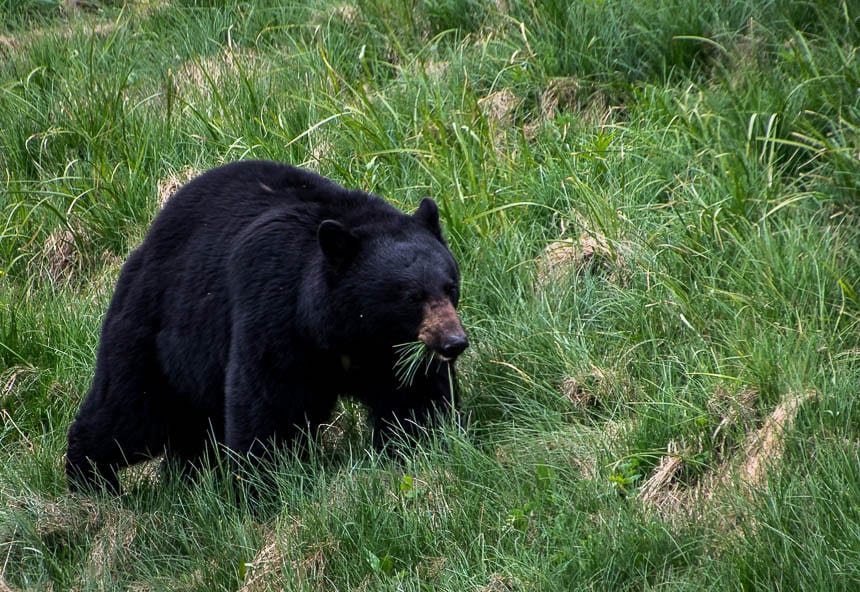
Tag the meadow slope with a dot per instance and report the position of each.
(656, 208)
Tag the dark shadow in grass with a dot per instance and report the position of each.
(261, 488)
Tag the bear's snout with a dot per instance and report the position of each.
(454, 345)
(442, 331)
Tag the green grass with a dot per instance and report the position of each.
(655, 208)
(413, 358)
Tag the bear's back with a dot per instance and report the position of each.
(212, 209)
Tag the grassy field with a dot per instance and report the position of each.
(656, 208)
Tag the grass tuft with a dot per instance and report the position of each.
(412, 358)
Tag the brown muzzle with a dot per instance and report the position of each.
(442, 331)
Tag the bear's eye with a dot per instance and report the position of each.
(415, 297)
(452, 292)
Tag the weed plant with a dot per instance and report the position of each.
(655, 209)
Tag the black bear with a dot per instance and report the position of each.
(260, 294)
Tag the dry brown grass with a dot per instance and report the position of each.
(63, 516)
(499, 107)
(346, 12)
(746, 465)
(63, 254)
(110, 550)
(348, 426)
(136, 9)
(60, 252)
(559, 94)
(145, 472)
(67, 253)
(266, 567)
(8, 46)
(591, 389)
(171, 184)
(564, 95)
(499, 583)
(13, 380)
(737, 412)
(591, 251)
(201, 74)
(319, 150)
(764, 449)
(431, 568)
(275, 564)
(661, 490)
(436, 70)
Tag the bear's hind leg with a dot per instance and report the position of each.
(101, 444)
(86, 469)
(122, 420)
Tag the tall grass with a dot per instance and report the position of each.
(654, 205)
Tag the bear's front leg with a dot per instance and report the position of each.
(271, 398)
(410, 410)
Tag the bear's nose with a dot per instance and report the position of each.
(454, 345)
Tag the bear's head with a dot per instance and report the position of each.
(395, 281)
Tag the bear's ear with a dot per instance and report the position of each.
(338, 244)
(428, 215)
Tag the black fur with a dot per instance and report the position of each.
(260, 293)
